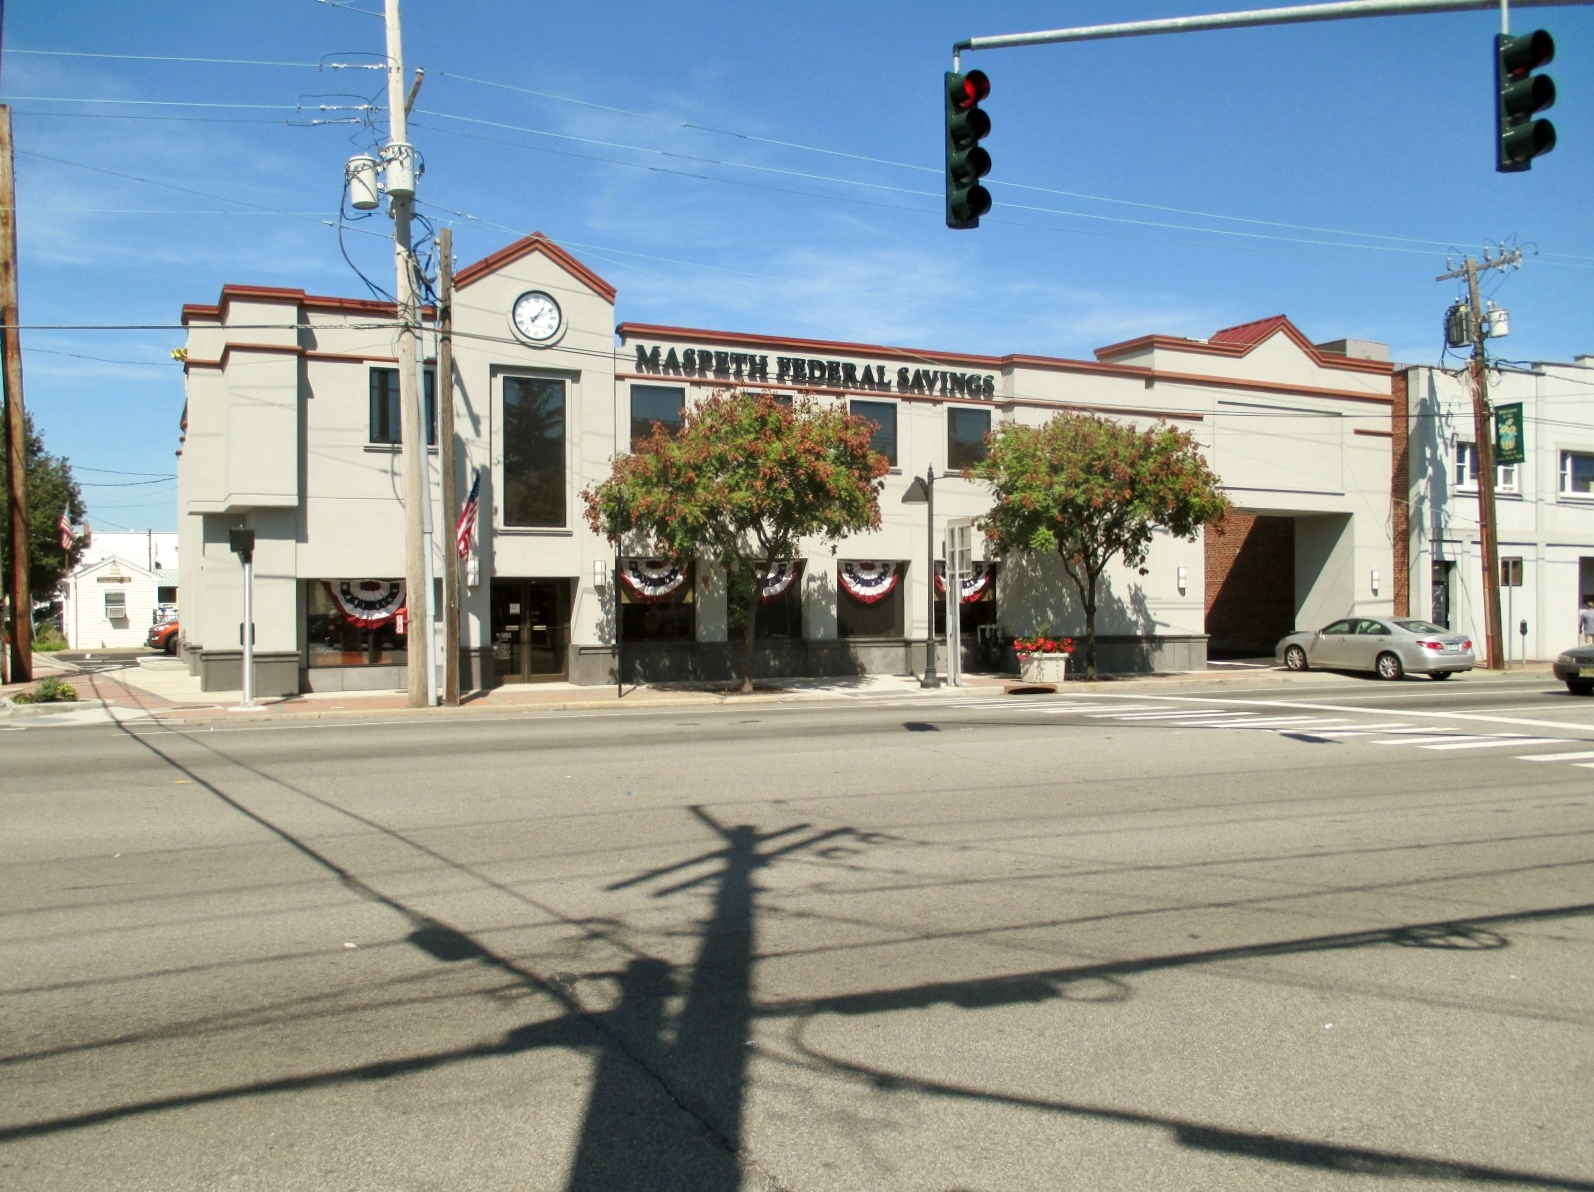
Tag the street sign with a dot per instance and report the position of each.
(1510, 446)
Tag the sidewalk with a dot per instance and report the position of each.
(160, 689)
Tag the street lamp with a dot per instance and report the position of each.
(922, 492)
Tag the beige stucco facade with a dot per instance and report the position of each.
(278, 436)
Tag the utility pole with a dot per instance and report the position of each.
(1483, 435)
(399, 158)
(446, 452)
(16, 420)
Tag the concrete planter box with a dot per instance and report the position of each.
(1043, 668)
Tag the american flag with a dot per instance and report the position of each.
(467, 517)
(67, 536)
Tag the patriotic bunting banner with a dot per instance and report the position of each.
(778, 579)
(974, 585)
(367, 603)
(869, 582)
(652, 581)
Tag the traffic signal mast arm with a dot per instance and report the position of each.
(1345, 11)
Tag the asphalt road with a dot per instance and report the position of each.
(1297, 936)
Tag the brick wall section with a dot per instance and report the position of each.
(1250, 582)
(1400, 489)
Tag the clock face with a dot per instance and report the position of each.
(537, 317)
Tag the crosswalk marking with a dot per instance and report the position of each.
(1415, 739)
(1496, 742)
(1556, 757)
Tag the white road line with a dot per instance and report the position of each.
(1300, 705)
(1556, 757)
(1497, 742)
(1416, 740)
(1180, 714)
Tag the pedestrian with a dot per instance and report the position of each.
(1585, 622)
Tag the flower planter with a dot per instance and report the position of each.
(1043, 668)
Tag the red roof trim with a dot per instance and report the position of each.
(1240, 340)
(536, 242)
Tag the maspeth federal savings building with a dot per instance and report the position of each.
(291, 428)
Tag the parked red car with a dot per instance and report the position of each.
(163, 637)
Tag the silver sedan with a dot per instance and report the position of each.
(1389, 648)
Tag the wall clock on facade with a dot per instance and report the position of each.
(537, 318)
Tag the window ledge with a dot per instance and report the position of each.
(1576, 498)
(392, 449)
(535, 531)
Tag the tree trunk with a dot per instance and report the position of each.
(1089, 595)
(749, 645)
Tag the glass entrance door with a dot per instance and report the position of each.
(530, 628)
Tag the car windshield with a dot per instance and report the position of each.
(1422, 627)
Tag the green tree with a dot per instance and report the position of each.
(51, 488)
(1093, 489)
(739, 485)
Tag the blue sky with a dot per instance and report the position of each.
(1172, 184)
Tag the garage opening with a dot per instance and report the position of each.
(1250, 584)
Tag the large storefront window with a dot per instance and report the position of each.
(870, 601)
(355, 622)
(780, 605)
(979, 600)
(656, 602)
(534, 452)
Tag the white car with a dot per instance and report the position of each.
(1388, 647)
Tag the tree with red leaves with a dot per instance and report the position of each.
(742, 482)
(1091, 489)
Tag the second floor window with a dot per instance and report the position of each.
(1577, 473)
(884, 416)
(1465, 473)
(655, 405)
(965, 437)
(386, 421)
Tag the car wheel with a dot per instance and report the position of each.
(1577, 687)
(1295, 658)
(1389, 667)
(1440, 674)
(171, 644)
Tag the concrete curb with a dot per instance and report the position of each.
(10, 710)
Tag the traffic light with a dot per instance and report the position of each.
(1522, 94)
(966, 161)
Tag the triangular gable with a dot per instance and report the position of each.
(1241, 340)
(115, 564)
(535, 243)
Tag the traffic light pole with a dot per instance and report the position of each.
(1344, 11)
(1483, 436)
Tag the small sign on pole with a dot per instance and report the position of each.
(959, 565)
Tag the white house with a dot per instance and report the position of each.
(290, 428)
(1545, 506)
(122, 585)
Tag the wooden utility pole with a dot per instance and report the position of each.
(1483, 448)
(399, 157)
(446, 453)
(16, 421)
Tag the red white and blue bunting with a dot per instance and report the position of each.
(367, 603)
(652, 581)
(869, 582)
(779, 576)
(975, 585)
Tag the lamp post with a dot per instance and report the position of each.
(922, 492)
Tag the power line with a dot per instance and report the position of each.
(101, 359)
(204, 194)
(115, 472)
(776, 142)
